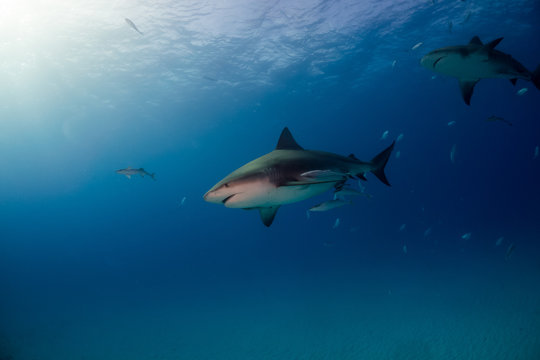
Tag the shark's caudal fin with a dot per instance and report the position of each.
(153, 176)
(268, 214)
(536, 77)
(467, 87)
(379, 162)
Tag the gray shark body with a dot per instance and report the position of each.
(128, 172)
(475, 61)
(290, 174)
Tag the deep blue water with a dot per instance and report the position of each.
(97, 266)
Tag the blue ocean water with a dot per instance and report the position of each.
(94, 265)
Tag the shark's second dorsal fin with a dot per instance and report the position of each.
(287, 142)
(476, 41)
(493, 43)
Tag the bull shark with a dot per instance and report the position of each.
(290, 174)
(476, 60)
(128, 172)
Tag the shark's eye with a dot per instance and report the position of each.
(226, 185)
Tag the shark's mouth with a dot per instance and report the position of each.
(227, 198)
(436, 61)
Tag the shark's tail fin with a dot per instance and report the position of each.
(536, 77)
(379, 162)
(153, 176)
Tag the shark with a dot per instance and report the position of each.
(475, 61)
(128, 172)
(290, 174)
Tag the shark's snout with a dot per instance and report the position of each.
(217, 196)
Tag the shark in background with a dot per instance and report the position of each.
(475, 61)
(128, 172)
(290, 174)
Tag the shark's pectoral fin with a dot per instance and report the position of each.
(268, 214)
(467, 87)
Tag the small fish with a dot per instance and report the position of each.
(467, 17)
(522, 91)
(466, 236)
(394, 63)
(536, 152)
(133, 26)
(405, 249)
(433, 77)
(402, 227)
(329, 205)
(427, 232)
(361, 186)
(128, 172)
(499, 241)
(182, 201)
(398, 154)
(494, 118)
(384, 135)
(336, 224)
(451, 123)
(509, 251)
(453, 154)
(209, 78)
(345, 191)
(399, 138)
(417, 46)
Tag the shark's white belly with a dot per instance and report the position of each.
(265, 194)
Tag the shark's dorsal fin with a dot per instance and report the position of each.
(268, 214)
(287, 142)
(467, 87)
(493, 43)
(476, 41)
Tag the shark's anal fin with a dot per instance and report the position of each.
(287, 142)
(268, 214)
(476, 41)
(467, 87)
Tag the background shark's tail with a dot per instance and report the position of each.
(536, 77)
(379, 162)
(153, 176)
